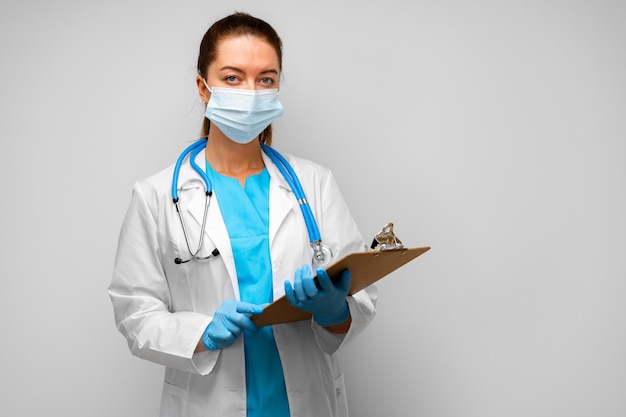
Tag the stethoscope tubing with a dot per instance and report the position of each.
(203, 174)
(292, 179)
(285, 169)
(179, 162)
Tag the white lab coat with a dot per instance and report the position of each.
(163, 308)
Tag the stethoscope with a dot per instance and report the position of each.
(322, 254)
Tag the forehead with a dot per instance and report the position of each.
(245, 51)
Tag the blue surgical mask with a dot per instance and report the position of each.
(242, 114)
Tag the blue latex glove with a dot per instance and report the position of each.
(229, 322)
(327, 302)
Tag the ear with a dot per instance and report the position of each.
(203, 92)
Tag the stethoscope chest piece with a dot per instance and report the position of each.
(321, 255)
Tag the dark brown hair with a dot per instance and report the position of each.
(237, 24)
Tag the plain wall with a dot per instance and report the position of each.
(492, 131)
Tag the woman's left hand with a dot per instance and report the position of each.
(327, 302)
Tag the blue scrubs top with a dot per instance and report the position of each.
(246, 214)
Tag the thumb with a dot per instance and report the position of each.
(289, 293)
(248, 308)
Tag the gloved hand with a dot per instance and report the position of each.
(229, 321)
(327, 303)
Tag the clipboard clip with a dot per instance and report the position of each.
(386, 239)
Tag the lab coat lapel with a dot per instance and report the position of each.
(215, 228)
(281, 202)
(281, 197)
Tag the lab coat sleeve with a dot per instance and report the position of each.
(362, 310)
(339, 226)
(141, 299)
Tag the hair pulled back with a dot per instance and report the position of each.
(236, 24)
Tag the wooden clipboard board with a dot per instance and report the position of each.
(366, 268)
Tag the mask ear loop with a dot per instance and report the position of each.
(210, 91)
(207, 86)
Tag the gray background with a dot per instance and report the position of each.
(493, 131)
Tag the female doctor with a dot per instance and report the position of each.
(232, 226)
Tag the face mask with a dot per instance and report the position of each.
(242, 114)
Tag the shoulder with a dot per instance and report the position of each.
(155, 187)
(305, 167)
(158, 178)
(316, 179)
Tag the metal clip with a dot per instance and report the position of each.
(386, 239)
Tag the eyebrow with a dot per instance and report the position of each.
(239, 70)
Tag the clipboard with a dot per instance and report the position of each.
(366, 268)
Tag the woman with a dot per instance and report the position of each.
(190, 309)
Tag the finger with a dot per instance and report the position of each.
(324, 280)
(308, 284)
(220, 336)
(297, 286)
(289, 294)
(238, 323)
(227, 306)
(226, 341)
(344, 281)
(245, 323)
(249, 308)
(233, 326)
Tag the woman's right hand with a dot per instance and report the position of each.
(229, 322)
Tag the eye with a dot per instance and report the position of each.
(231, 79)
(266, 81)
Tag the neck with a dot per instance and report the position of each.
(233, 159)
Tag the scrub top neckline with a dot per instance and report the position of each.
(210, 170)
